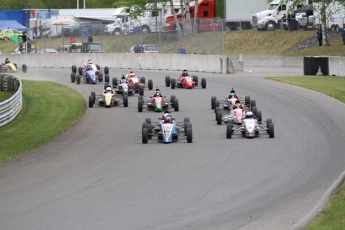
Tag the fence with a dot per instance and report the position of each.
(204, 36)
(10, 108)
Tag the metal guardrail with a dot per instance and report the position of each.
(10, 108)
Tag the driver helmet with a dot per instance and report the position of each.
(123, 77)
(249, 114)
(158, 92)
(7, 59)
(167, 119)
(232, 91)
(237, 102)
(108, 89)
(89, 62)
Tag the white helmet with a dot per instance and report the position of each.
(249, 114)
(89, 62)
(108, 89)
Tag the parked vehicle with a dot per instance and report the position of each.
(7, 34)
(146, 48)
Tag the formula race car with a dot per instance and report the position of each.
(167, 130)
(108, 99)
(250, 128)
(185, 81)
(11, 68)
(227, 103)
(90, 75)
(122, 87)
(138, 83)
(158, 103)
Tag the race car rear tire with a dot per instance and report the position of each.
(252, 103)
(186, 125)
(142, 80)
(100, 77)
(72, 77)
(229, 126)
(80, 71)
(216, 105)
(136, 86)
(172, 99)
(114, 82)
(270, 130)
(94, 96)
(141, 90)
(78, 79)
(145, 135)
(259, 117)
(269, 120)
(106, 78)
(189, 134)
(125, 100)
(176, 105)
(173, 83)
(24, 68)
(195, 79)
(74, 69)
(140, 105)
(254, 110)
(186, 119)
(90, 101)
(144, 125)
(247, 100)
(203, 83)
(219, 117)
(106, 70)
(213, 102)
(150, 84)
(148, 120)
(167, 81)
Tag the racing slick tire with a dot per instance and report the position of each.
(203, 83)
(259, 117)
(78, 79)
(141, 90)
(24, 68)
(189, 134)
(142, 80)
(186, 120)
(125, 100)
(150, 84)
(195, 79)
(93, 94)
(218, 109)
(80, 71)
(252, 103)
(167, 81)
(172, 100)
(176, 105)
(72, 77)
(173, 83)
(216, 105)
(74, 69)
(229, 126)
(106, 85)
(106, 70)
(145, 135)
(148, 120)
(219, 117)
(114, 82)
(247, 100)
(106, 78)
(213, 102)
(144, 125)
(270, 130)
(269, 120)
(255, 110)
(140, 105)
(91, 101)
(186, 125)
(100, 77)
(136, 87)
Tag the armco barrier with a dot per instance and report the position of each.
(10, 108)
(191, 62)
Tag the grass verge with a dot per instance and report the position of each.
(48, 110)
(333, 216)
(5, 95)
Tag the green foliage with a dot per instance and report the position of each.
(220, 8)
(56, 4)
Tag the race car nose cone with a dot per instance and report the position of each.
(158, 108)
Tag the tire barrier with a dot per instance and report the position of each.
(11, 107)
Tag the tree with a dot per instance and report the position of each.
(321, 8)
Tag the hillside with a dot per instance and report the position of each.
(235, 42)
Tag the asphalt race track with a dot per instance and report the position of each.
(98, 175)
